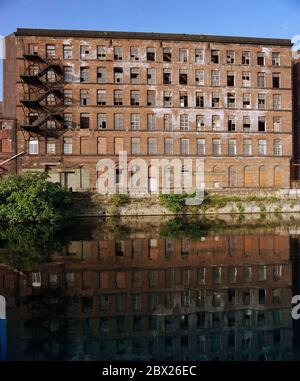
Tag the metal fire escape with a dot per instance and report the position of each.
(43, 100)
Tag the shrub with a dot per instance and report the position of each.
(173, 202)
(119, 199)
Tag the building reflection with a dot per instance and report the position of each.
(221, 297)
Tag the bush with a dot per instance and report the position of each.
(173, 202)
(119, 199)
(31, 198)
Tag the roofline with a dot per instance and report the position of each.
(151, 36)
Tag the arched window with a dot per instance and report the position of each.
(232, 176)
(248, 176)
(277, 176)
(262, 176)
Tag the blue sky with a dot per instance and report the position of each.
(257, 18)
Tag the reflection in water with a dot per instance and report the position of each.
(148, 289)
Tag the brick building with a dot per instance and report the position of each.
(7, 144)
(79, 96)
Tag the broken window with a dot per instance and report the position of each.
(261, 123)
(200, 122)
(199, 99)
(276, 80)
(84, 98)
(167, 55)
(215, 78)
(135, 121)
(230, 57)
(215, 56)
(261, 80)
(199, 77)
(32, 49)
(184, 122)
(230, 100)
(134, 53)
(68, 52)
(151, 98)
(199, 56)
(276, 59)
(68, 74)
(135, 75)
(247, 147)
(167, 98)
(230, 78)
(101, 97)
(118, 121)
(277, 147)
(246, 58)
(216, 147)
(151, 76)
(215, 100)
(246, 79)
(183, 77)
(261, 59)
(246, 100)
(67, 97)
(262, 147)
(216, 123)
(84, 120)
(101, 74)
(277, 123)
(101, 121)
(201, 147)
(135, 146)
(183, 55)
(118, 98)
(231, 123)
(135, 98)
(150, 54)
(183, 99)
(84, 52)
(184, 146)
(101, 52)
(167, 122)
(50, 51)
(167, 76)
(231, 147)
(151, 122)
(84, 74)
(68, 120)
(169, 146)
(118, 53)
(261, 101)
(118, 75)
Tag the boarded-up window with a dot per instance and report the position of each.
(119, 145)
(262, 176)
(277, 176)
(6, 145)
(104, 280)
(87, 277)
(248, 176)
(102, 146)
(84, 145)
(232, 176)
(120, 279)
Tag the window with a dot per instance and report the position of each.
(183, 77)
(231, 147)
(101, 52)
(276, 101)
(151, 98)
(184, 122)
(50, 100)
(247, 147)
(84, 120)
(118, 53)
(118, 97)
(151, 76)
(50, 148)
(84, 98)
(68, 146)
(261, 101)
(32, 49)
(84, 52)
(135, 75)
(167, 55)
(231, 123)
(230, 100)
(215, 100)
(101, 74)
(262, 273)
(199, 77)
(246, 101)
(68, 52)
(184, 146)
(169, 146)
(199, 56)
(261, 80)
(166, 76)
(84, 74)
(262, 147)
(261, 123)
(246, 123)
(277, 124)
(276, 80)
(134, 53)
(246, 58)
(183, 55)
(277, 148)
(230, 78)
(216, 123)
(216, 147)
(201, 147)
(150, 54)
(199, 99)
(67, 97)
(151, 122)
(215, 56)
(215, 78)
(276, 59)
(230, 57)
(50, 51)
(167, 122)
(183, 97)
(101, 121)
(200, 122)
(68, 74)
(134, 98)
(118, 121)
(135, 121)
(135, 146)
(261, 59)
(33, 146)
(101, 97)
(246, 79)
(167, 98)
(68, 120)
(118, 75)
(152, 146)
